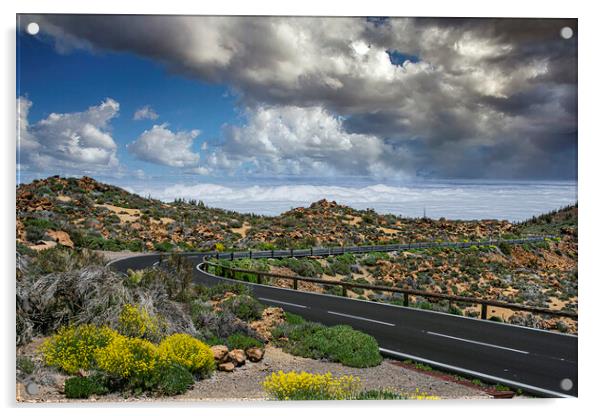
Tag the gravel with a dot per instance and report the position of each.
(244, 383)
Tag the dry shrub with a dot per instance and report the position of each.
(93, 294)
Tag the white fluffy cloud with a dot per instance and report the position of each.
(145, 113)
(164, 147)
(79, 141)
(296, 140)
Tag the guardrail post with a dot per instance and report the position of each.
(295, 284)
(483, 311)
(232, 255)
(259, 278)
(292, 253)
(406, 299)
(250, 254)
(311, 251)
(343, 249)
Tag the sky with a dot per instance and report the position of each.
(156, 102)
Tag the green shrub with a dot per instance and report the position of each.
(342, 264)
(212, 340)
(189, 352)
(339, 343)
(164, 246)
(34, 234)
(75, 347)
(454, 310)
(218, 291)
(25, 365)
(244, 307)
(292, 318)
(303, 267)
(242, 341)
(84, 387)
(41, 223)
(505, 248)
(343, 344)
(171, 379)
(378, 395)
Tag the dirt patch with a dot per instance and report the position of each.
(242, 230)
(124, 214)
(352, 220)
(61, 237)
(43, 245)
(162, 221)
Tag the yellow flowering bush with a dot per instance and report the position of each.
(136, 322)
(127, 357)
(188, 352)
(306, 386)
(74, 347)
(420, 395)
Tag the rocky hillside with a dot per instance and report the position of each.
(542, 274)
(81, 212)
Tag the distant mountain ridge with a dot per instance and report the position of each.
(82, 212)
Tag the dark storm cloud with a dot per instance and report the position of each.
(480, 98)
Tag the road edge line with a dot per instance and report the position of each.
(487, 377)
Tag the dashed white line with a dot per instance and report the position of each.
(477, 342)
(361, 318)
(296, 305)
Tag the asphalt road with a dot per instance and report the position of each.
(537, 361)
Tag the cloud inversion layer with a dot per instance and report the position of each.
(474, 98)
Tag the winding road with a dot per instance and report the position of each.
(537, 361)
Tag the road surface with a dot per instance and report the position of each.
(537, 361)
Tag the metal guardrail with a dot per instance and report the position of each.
(230, 272)
(329, 251)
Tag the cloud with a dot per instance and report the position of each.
(164, 147)
(297, 140)
(79, 141)
(145, 113)
(199, 170)
(455, 108)
(453, 201)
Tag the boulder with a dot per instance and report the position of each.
(228, 367)
(220, 353)
(237, 357)
(254, 354)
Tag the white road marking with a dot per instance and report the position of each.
(477, 342)
(484, 376)
(361, 318)
(156, 263)
(283, 303)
